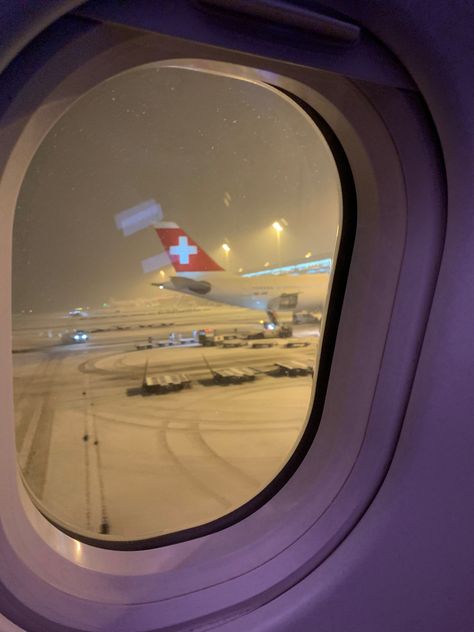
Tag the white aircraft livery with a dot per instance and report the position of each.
(197, 274)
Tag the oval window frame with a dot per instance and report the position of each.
(302, 543)
(344, 243)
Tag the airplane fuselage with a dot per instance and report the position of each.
(304, 292)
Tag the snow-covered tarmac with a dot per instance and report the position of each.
(95, 458)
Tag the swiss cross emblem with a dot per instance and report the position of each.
(183, 250)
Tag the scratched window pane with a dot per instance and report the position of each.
(173, 246)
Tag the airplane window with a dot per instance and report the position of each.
(174, 241)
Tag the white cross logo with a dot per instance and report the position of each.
(183, 250)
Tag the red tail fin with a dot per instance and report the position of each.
(185, 254)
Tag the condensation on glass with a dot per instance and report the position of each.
(173, 244)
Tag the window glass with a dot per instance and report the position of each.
(173, 244)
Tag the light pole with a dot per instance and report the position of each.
(226, 249)
(278, 230)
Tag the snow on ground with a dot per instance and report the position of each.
(144, 466)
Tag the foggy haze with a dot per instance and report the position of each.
(223, 157)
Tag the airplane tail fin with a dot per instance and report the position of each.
(185, 254)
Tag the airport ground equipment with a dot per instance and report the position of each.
(284, 331)
(233, 344)
(163, 383)
(229, 340)
(80, 336)
(75, 337)
(296, 343)
(292, 369)
(143, 346)
(204, 337)
(249, 372)
(176, 338)
(160, 384)
(270, 330)
(257, 344)
(233, 375)
(303, 318)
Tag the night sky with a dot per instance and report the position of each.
(223, 157)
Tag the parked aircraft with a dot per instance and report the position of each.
(197, 274)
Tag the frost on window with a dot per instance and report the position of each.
(173, 244)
